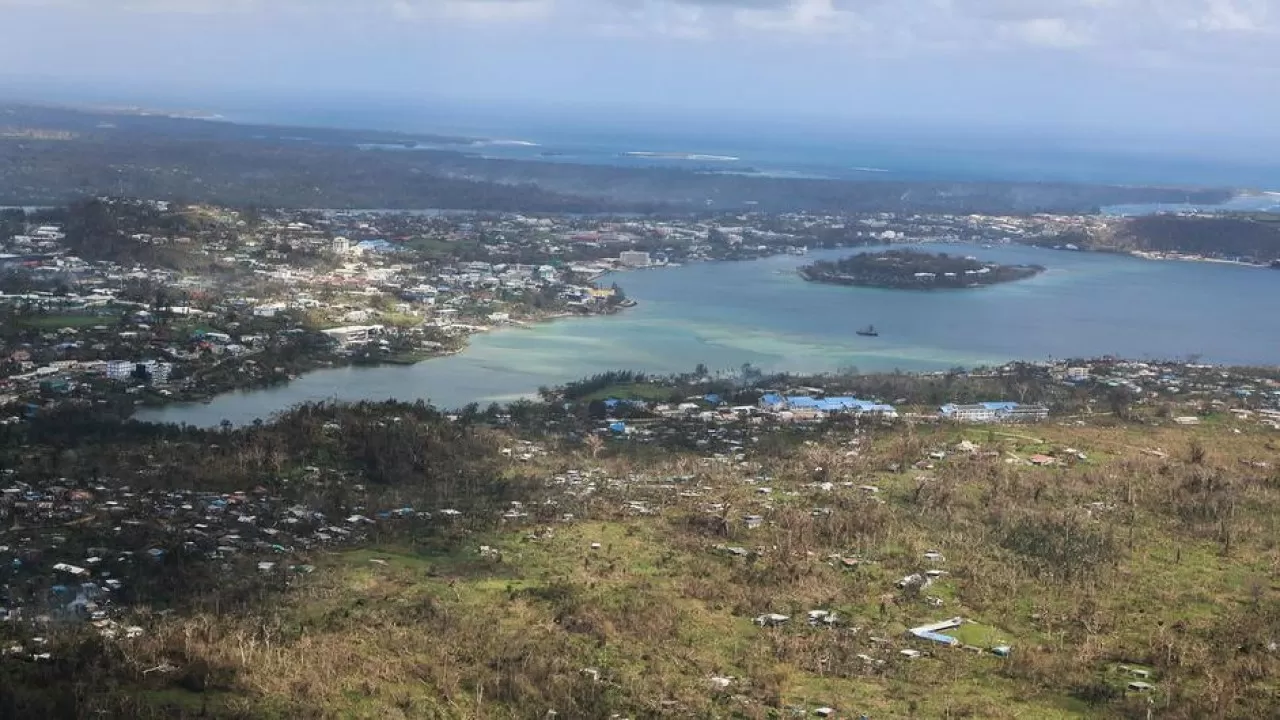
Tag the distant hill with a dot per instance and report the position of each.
(1252, 237)
(1256, 237)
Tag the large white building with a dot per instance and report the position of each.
(354, 334)
(124, 370)
(634, 258)
(994, 412)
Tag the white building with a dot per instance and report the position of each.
(634, 258)
(354, 334)
(124, 370)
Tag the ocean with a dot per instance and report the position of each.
(799, 149)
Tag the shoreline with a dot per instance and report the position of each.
(336, 363)
(1158, 256)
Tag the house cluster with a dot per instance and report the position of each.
(74, 550)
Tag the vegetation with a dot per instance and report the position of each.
(911, 270)
(1252, 237)
(1147, 545)
(1248, 237)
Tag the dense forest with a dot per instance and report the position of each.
(911, 270)
(49, 157)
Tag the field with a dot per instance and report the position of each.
(57, 322)
(632, 586)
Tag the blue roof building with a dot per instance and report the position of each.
(840, 404)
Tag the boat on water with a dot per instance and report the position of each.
(869, 331)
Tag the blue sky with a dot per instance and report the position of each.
(1106, 68)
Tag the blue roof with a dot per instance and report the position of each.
(937, 637)
(772, 399)
(618, 427)
(836, 404)
(1000, 406)
(712, 398)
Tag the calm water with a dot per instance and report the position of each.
(727, 314)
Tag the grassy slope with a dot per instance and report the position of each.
(435, 632)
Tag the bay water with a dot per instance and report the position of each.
(725, 314)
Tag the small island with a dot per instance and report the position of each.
(911, 270)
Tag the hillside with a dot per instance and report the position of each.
(1252, 237)
(639, 577)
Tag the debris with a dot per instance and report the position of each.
(1139, 686)
(771, 619)
(821, 617)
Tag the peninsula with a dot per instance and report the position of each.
(911, 270)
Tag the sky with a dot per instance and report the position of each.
(1191, 70)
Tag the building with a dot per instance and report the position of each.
(126, 370)
(1077, 374)
(824, 406)
(634, 258)
(354, 334)
(993, 412)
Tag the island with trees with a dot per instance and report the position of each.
(912, 270)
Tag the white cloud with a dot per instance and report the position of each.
(1110, 30)
(1046, 32)
(1235, 15)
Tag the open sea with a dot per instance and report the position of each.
(837, 151)
(725, 314)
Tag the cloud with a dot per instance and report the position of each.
(1119, 31)
(1047, 32)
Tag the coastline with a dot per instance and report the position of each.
(318, 363)
(1159, 256)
